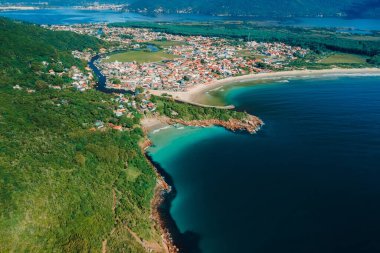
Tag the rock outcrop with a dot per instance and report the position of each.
(252, 124)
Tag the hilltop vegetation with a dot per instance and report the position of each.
(65, 187)
(167, 106)
(23, 48)
(261, 8)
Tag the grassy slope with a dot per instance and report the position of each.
(344, 58)
(57, 177)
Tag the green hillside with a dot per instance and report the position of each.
(23, 48)
(65, 187)
(263, 8)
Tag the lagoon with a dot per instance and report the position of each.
(307, 182)
(68, 16)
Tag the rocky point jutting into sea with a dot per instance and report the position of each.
(251, 124)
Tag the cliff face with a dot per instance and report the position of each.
(252, 124)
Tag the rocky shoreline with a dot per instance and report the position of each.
(251, 125)
(162, 188)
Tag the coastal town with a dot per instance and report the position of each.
(185, 61)
(164, 62)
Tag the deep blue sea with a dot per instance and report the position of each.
(307, 182)
(66, 16)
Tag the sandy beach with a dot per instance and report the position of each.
(150, 124)
(193, 93)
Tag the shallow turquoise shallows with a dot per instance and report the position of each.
(309, 181)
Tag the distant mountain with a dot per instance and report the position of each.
(259, 8)
(365, 9)
(62, 3)
(262, 8)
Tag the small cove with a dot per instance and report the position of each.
(307, 182)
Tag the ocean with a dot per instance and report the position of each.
(308, 181)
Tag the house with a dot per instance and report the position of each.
(99, 124)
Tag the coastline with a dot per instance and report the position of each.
(164, 191)
(161, 190)
(171, 237)
(193, 93)
(251, 124)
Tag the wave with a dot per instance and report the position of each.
(159, 129)
(283, 81)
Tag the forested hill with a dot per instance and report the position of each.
(23, 48)
(263, 8)
(65, 186)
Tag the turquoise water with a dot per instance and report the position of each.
(307, 182)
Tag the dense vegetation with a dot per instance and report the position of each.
(57, 177)
(316, 39)
(66, 186)
(375, 60)
(262, 8)
(23, 48)
(172, 109)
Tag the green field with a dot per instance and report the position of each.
(140, 57)
(344, 58)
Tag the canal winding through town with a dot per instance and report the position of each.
(102, 79)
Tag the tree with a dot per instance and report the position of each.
(41, 85)
(139, 90)
(80, 159)
(116, 81)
